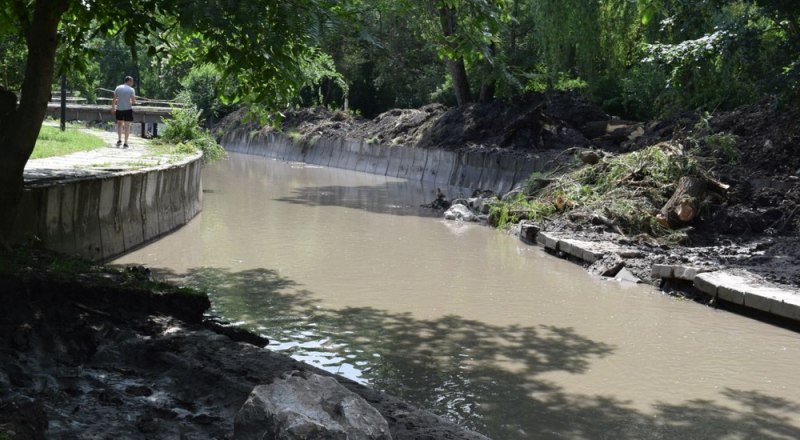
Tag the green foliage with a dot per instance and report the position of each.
(723, 145)
(204, 85)
(12, 62)
(638, 58)
(520, 208)
(184, 130)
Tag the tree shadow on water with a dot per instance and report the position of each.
(403, 198)
(486, 377)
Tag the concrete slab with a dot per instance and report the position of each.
(677, 271)
(87, 224)
(150, 208)
(416, 171)
(748, 289)
(548, 240)
(471, 169)
(394, 159)
(491, 171)
(507, 164)
(108, 216)
(447, 162)
(130, 209)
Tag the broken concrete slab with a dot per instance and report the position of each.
(587, 251)
(677, 271)
(608, 266)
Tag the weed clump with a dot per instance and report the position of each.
(184, 131)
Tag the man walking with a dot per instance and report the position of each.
(122, 109)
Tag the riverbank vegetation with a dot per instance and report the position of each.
(183, 133)
(622, 192)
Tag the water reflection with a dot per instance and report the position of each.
(486, 377)
(381, 199)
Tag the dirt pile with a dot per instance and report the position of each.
(533, 122)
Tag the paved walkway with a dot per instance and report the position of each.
(106, 161)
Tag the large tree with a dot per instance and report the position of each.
(264, 44)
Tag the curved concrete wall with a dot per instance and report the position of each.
(474, 168)
(99, 218)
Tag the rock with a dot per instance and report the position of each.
(528, 231)
(481, 205)
(594, 129)
(308, 406)
(589, 157)
(608, 266)
(237, 334)
(485, 206)
(24, 418)
(627, 276)
(138, 390)
(460, 212)
(21, 337)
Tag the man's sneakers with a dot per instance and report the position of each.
(119, 143)
(124, 145)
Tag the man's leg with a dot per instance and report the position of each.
(127, 131)
(119, 132)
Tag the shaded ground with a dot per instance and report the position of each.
(754, 149)
(81, 344)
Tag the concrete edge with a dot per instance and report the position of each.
(112, 174)
(736, 286)
(471, 168)
(103, 216)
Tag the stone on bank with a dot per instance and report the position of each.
(307, 406)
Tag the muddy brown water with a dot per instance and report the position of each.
(345, 271)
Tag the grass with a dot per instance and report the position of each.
(53, 142)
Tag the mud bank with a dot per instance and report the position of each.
(92, 356)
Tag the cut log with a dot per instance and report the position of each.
(684, 205)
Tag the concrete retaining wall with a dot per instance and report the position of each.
(474, 168)
(100, 218)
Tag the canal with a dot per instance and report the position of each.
(347, 272)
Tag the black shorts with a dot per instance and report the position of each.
(125, 115)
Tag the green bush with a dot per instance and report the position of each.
(184, 128)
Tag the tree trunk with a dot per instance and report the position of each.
(458, 71)
(684, 205)
(487, 91)
(20, 127)
(488, 82)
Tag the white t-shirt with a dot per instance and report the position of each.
(124, 94)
